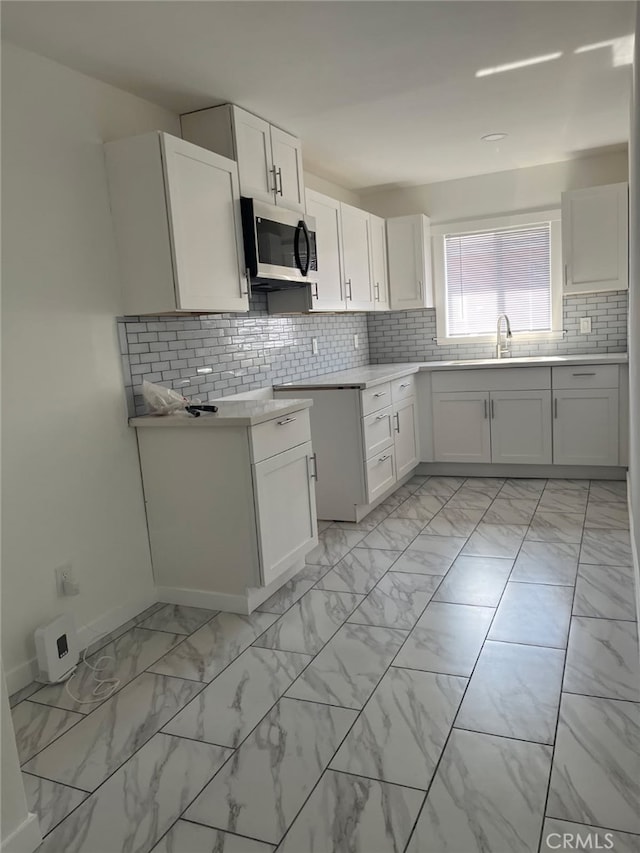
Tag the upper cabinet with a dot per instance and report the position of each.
(409, 255)
(379, 267)
(595, 239)
(269, 159)
(328, 294)
(176, 214)
(356, 248)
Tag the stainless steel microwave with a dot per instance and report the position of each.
(279, 246)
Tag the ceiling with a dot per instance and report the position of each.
(382, 93)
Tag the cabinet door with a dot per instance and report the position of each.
(355, 248)
(253, 153)
(381, 474)
(379, 274)
(595, 239)
(405, 436)
(286, 151)
(461, 431)
(285, 502)
(409, 254)
(521, 427)
(585, 427)
(329, 294)
(203, 202)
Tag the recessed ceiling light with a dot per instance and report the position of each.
(494, 137)
(522, 63)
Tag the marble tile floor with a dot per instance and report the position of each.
(458, 673)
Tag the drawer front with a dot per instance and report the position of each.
(492, 379)
(586, 376)
(402, 388)
(381, 474)
(377, 431)
(375, 398)
(280, 434)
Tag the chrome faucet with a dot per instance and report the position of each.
(502, 346)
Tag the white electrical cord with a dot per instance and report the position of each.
(100, 693)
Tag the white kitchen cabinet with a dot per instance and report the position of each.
(356, 258)
(409, 261)
(405, 438)
(269, 159)
(586, 426)
(595, 238)
(285, 509)
(176, 215)
(230, 509)
(328, 294)
(521, 427)
(461, 426)
(379, 271)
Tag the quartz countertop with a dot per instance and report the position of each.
(375, 374)
(232, 413)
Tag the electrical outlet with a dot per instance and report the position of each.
(585, 325)
(314, 346)
(66, 583)
(356, 343)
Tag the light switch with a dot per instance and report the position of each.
(585, 325)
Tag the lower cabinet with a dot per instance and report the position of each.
(586, 426)
(521, 427)
(285, 509)
(230, 509)
(405, 438)
(461, 428)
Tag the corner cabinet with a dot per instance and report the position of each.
(409, 254)
(244, 518)
(595, 239)
(176, 216)
(269, 159)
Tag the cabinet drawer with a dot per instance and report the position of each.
(280, 434)
(375, 398)
(586, 376)
(377, 431)
(381, 474)
(401, 388)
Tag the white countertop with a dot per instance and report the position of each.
(375, 374)
(239, 413)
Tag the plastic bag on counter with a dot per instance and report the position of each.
(162, 401)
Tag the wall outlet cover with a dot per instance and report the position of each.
(585, 325)
(314, 346)
(356, 343)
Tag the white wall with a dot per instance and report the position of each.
(634, 307)
(71, 482)
(314, 182)
(499, 192)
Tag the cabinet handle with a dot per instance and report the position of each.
(348, 286)
(565, 274)
(486, 415)
(405, 384)
(248, 275)
(397, 417)
(377, 291)
(286, 421)
(584, 374)
(555, 407)
(380, 394)
(314, 474)
(384, 458)
(493, 410)
(419, 289)
(279, 188)
(315, 292)
(274, 174)
(381, 417)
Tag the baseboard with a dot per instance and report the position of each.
(25, 839)
(481, 469)
(635, 557)
(23, 674)
(204, 598)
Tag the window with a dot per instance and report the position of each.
(501, 266)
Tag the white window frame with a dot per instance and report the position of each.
(438, 234)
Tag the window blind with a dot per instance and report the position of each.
(506, 271)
